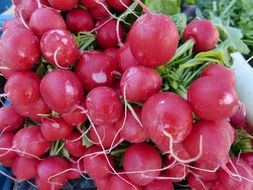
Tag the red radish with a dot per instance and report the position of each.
(96, 164)
(107, 134)
(67, 5)
(248, 157)
(212, 101)
(10, 120)
(76, 170)
(27, 50)
(166, 112)
(43, 184)
(132, 131)
(197, 183)
(243, 176)
(6, 72)
(16, 2)
(61, 90)
(112, 52)
(139, 158)
(104, 106)
(125, 58)
(51, 170)
(197, 30)
(59, 47)
(214, 153)
(116, 183)
(217, 185)
(23, 93)
(28, 136)
(75, 117)
(91, 3)
(96, 69)
(102, 184)
(99, 11)
(106, 34)
(12, 23)
(153, 39)
(44, 19)
(159, 184)
(55, 129)
(5, 144)
(138, 83)
(119, 5)
(220, 71)
(238, 120)
(25, 8)
(205, 171)
(20, 169)
(8, 161)
(45, 2)
(79, 20)
(74, 145)
(34, 110)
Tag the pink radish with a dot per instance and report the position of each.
(167, 112)
(211, 101)
(28, 136)
(10, 120)
(43, 184)
(102, 184)
(119, 5)
(55, 129)
(112, 52)
(115, 183)
(79, 20)
(100, 11)
(74, 145)
(61, 90)
(197, 30)
(40, 18)
(104, 106)
(5, 145)
(153, 39)
(59, 47)
(238, 120)
(20, 169)
(140, 158)
(125, 59)
(107, 33)
(67, 5)
(159, 184)
(96, 69)
(6, 72)
(19, 48)
(23, 93)
(138, 83)
(76, 170)
(91, 3)
(12, 23)
(205, 171)
(25, 8)
(197, 183)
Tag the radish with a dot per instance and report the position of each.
(79, 20)
(12, 23)
(125, 58)
(107, 134)
(91, 3)
(50, 171)
(19, 48)
(153, 39)
(59, 47)
(138, 83)
(6, 73)
(67, 5)
(205, 171)
(44, 19)
(119, 5)
(95, 163)
(211, 101)
(166, 112)
(238, 120)
(197, 30)
(25, 8)
(61, 90)
(23, 93)
(104, 106)
(76, 171)
(106, 33)
(142, 163)
(43, 184)
(102, 184)
(196, 183)
(55, 129)
(132, 131)
(248, 157)
(220, 71)
(28, 136)
(159, 184)
(116, 183)
(10, 120)
(74, 146)
(213, 153)
(96, 69)
(34, 110)
(20, 169)
(99, 11)
(242, 175)
(5, 145)
(112, 52)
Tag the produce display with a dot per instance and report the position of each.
(128, 94)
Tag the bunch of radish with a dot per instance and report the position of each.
(88, 96)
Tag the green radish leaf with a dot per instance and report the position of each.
(168, 7)
(180, 20)
(86, 142)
